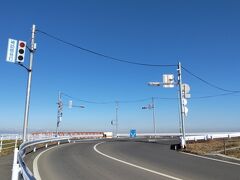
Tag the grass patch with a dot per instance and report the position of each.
(8, 147)
(234, 153)
(210, 146)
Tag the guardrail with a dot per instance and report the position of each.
(20, 169)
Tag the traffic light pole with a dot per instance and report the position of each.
(27, 102)
(182, 116)
(154, 122)
(116, 118)
(59, 114)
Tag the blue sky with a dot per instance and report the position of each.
(203, 35)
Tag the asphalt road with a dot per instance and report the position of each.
(118, 160)
(6, 166)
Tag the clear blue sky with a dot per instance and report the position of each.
(203, 35)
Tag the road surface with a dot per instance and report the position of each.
(123, 160)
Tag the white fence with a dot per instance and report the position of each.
(189, 136)
(208, 136)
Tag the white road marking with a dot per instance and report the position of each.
(35, 166)
(134, 165)
(35, 161)
(218, 160)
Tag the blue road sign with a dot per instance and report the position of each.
(133, 133)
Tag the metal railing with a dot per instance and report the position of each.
(20, 169)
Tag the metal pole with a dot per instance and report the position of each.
(179, 111)
(27, 102)
(116, 118)
(59, 114)
(154, 122)
(183, 141)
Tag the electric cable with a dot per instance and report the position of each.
(101, 54)
(208, 83)
(146, 99)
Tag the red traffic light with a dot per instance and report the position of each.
(21, 51)
(22, 44)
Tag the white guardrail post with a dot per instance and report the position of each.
(20, 169)
(15, 168)
(1, 144)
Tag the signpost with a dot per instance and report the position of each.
(13, 45)
(184, 89)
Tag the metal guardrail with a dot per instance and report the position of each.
(20, 169)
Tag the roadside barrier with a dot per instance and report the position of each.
(20, 169)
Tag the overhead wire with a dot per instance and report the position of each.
(145, 99)
(213, 96)
(208, 83)
(101, 54)
(87, 101)
(230, 92)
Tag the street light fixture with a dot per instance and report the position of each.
(152, 107)
(114, 123)
(154, 83)
(60, 109)
(168, 82)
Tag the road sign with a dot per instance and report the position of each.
(168, 80)
(133, 133)
(186, 90)
(11, 50)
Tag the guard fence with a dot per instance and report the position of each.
(20, 169)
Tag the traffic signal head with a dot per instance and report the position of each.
(21, 51)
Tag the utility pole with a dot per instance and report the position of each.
(154, 122)
(59, 114)
(117, 117)
(182, 116)
(27, 102)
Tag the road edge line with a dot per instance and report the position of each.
(35, 163)
(213, 159)
(133, 165)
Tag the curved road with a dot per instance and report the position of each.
(118, 160)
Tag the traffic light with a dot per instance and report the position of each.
(21, 51)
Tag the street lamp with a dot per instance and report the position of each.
(152, 107)
(60, 109)
(168, 82)
(154, 83)
(114, 123)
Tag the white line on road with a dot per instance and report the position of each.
(35, 161)
(208, 158)
(133, 165)
(35, 166)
